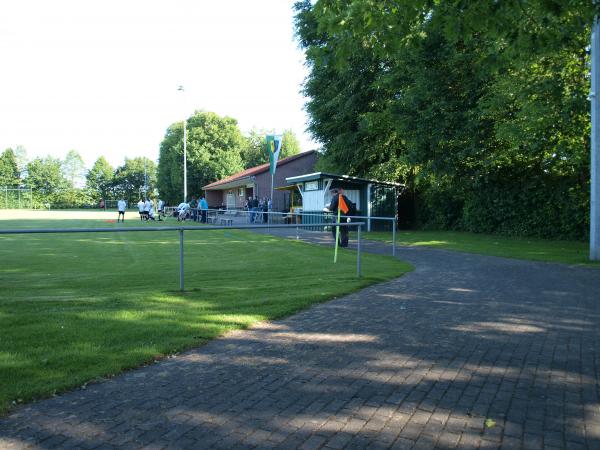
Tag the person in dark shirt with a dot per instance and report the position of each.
(333, 207)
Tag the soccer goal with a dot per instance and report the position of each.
(16, 198)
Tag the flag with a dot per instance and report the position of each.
(342, 205)
(273, 147)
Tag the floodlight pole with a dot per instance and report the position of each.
(180, 88)
(595, 143)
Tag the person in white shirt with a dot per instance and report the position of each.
(161, 209)
(151, 210)
(182, 211)
(140, 206)
(147, 208)
(121, 206)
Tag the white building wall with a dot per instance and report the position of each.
(313, 201)
(317, 200)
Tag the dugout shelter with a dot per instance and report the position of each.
(372, 198)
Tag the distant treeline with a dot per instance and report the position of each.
(216, 148)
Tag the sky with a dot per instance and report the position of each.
(101, 77)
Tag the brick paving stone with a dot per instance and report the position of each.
(339, 441)
(403, 444)
(417, 362)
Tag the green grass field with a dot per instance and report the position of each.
(568, 252)
(76, 307)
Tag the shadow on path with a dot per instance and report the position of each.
(467, 351)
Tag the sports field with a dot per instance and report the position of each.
(77, 307)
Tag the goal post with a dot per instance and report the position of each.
(16, 198)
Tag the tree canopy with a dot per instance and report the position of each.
(74, 168)
(214, 147)
(129, 179)
(480, 107)
(9, 169)
(255, 152)
(99, 180)
(46, 178)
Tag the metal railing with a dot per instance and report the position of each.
(284, 215)
(358, 225)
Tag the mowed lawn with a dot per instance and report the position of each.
(567, 252)
(76, 307)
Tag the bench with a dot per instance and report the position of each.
(211, 218)
(227, 218)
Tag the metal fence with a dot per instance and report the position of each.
(274, 218)
(16, 198)
(181, 230)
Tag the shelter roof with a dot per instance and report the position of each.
(333, 176)
(244, 176)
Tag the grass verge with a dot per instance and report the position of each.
(75, 307)
(568, 252)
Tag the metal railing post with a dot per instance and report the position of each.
(358, 274)
(394, 237)
(181, 277)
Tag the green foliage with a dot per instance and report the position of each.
(214, 147)
(45, 176)
(129, 179)
(479, 106)
(255, 153)
(74, 169)
(290, 145)
(99, 180)
(9, 170)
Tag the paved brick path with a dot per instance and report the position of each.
(419, 362)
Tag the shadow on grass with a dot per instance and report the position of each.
(371, 369)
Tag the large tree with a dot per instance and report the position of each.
(130, 178)
(479, 106)
(99, 180)
(214, 146)
(9, 169)
(74, 169)
(46, 178)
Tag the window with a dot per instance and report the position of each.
(311, 185)
(242, 192)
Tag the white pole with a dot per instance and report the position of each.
(272, 190)
(184, 160)
(180, 88)
(595, 152)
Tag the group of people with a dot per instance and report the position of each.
(148, 209)
(258, 209)
(196, 210)
(154, 209)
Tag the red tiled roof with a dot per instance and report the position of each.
(256, 170)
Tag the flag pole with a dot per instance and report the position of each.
(337, 235)
(271, 186)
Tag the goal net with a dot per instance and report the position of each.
(16, 198)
